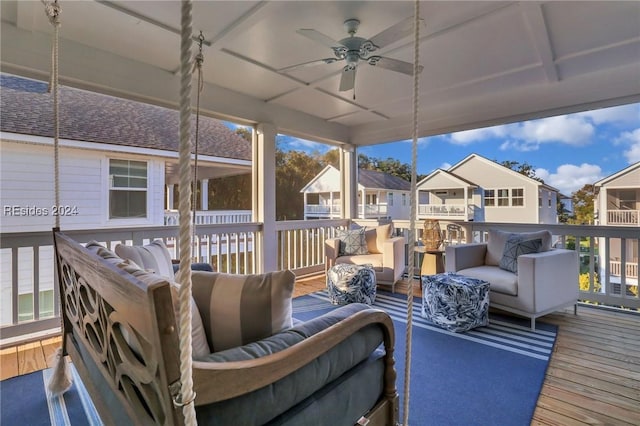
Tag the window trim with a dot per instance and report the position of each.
(143, 220)
(496, 197)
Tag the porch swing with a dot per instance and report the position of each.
(120, 331)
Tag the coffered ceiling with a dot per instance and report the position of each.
(484, 63)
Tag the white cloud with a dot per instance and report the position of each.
(632, 141)
(445, 166)
(620, 114)
(564, 129)
(568, 178)
(523, 146)
(467, 137)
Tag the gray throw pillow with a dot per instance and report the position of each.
(352, 242)
(514, 247)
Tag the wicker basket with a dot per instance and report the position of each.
(431, 234)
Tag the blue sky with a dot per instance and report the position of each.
(567, 151)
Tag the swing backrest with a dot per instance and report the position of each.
(121, 335)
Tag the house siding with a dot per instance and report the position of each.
(477, 171)
(27, 181)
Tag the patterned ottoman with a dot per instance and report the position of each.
(348, 283)
(455, 302)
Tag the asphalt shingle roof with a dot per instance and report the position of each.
(376, 179)
(27, 108)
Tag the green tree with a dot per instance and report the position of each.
(294, 169)
(563, 213)
(583, 213)
(523, 168)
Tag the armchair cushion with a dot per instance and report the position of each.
(498, 239)
(352, 242)
(376, 236)
(240, 309)
(514, 247)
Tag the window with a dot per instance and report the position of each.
(127, 189)
(503, 197)
(489, 198)
(371, 199)
(390, 198)
(25, 305)
(404, 199)
(539, 201)
(517, 197)
(549, 202)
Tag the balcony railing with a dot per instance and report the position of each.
(29, 299)
(366, 211)
(449, 211)
(623, 217)
(211, 217)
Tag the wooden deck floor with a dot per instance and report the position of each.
(593, 376)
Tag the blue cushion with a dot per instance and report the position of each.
(265, 404)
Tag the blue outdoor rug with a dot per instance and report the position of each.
(486, 376)
(25, 400)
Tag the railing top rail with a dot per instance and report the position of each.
(284, 225)
(26, 239)
(561, 229)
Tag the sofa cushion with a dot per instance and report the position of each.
(376, 236)
(154, 256)
(375, 260)
(352, 242)
(499, 280)
(240, 309)
(514, 247)
(497, 240)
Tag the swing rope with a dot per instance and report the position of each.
(61, 377)
(197, 66)
(412, 216)
(187, 396)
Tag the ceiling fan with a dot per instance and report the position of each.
(354, 49)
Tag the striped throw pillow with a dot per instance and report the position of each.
(154, 257)
(240, 309)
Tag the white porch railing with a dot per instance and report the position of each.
(631, 268)
(211, 217)
(27, 259)
(371, 211)
(449, 211)
(623, 217)
(323, 210)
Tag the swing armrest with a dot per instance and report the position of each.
(336, 341)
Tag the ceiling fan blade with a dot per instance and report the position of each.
(317, 36)
(348, 79)
(309, 64)
(395, 65)
(394, 33)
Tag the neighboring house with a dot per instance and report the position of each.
(118, 159)
(380, 195)
(617, 203)
(478, 189)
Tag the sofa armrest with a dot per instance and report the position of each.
(464, 256)
(549, 279)
(393, 255)
(331, 250)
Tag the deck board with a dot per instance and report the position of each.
(593, 376)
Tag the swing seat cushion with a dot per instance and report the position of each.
(341, 384)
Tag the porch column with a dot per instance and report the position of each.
(170, 198)
(304, 211)
(264, 182)
(363, 204)
(466, 204)
(331, 205)
(348, 181)
(204, 194)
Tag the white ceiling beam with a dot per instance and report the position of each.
(533, 17)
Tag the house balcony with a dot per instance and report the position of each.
(326, 211)
(623, 217)
(211, 217)
(446, 211)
